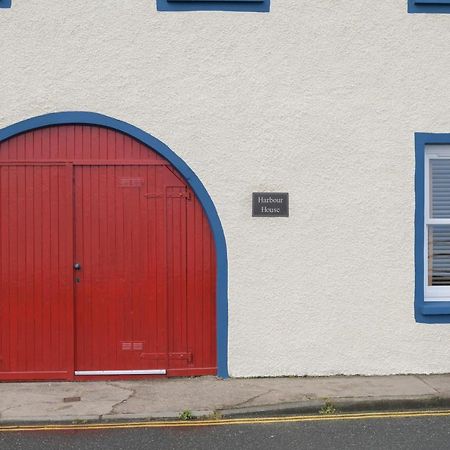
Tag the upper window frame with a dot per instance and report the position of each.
(429, 6)
(213, 5)
(427, 310)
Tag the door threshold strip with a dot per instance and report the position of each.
(121, 372)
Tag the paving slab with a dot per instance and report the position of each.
(440, 383)
(167, 398)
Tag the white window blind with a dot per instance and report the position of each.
(440, 188)
(439, 255)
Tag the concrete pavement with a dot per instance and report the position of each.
(209, 396)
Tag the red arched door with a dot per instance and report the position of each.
(107, 263)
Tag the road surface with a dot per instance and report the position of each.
(420, 430)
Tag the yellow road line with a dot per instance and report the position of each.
(222, 422)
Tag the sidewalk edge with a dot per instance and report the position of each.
(313, 406)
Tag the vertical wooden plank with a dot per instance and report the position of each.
(12, 264)
(66, 220)
(207, 318)
(191, 317)
(78, 142)
(122, 151)
(177, 275)
(62, 143)
(55, 152)
(110, 146)
(104, 265)
(5, 285)
(171, 315)
(28, 146)
(161, 272)
(29, 224)
(13, 148)
(81, 256)
(21, 146)
(121, 248)
(199, 279)
(37, 145)
(19, 265)
(38, 260)
(70, 133)
(152, 244)
(51, 316)
(86, 142)
(45, 140)
(114, 294)
(47, 265)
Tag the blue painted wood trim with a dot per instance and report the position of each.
(425, 312)
(436, 308)
(213, 5)
(215, 1)
(429, 6)
(5, 3)
(432, 2)
(89, 118)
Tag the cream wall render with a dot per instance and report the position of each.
(319, 99)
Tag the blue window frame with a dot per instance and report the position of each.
(432, 243)
(214, 5)
(5, 3)
(429, 6)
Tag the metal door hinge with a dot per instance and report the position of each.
(172, 356)
(182, 194)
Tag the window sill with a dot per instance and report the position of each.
(237, 6)
(434, 308)
(429, 7)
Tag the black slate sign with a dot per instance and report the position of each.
(270, 204)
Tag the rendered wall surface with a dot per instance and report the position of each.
(319, 99)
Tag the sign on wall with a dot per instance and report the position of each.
(270, 204)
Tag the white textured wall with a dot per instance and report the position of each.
(320, 99)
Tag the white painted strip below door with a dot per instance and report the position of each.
(121, 372)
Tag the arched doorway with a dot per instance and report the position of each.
(112, 258)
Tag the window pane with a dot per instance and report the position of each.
(440, 188)
(439, 255)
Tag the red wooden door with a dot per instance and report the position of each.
(144, 299)
(36, 241)
(121, 289)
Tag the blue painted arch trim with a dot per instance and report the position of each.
(425, 311)
(89, 118)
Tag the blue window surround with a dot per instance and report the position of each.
(88, 118)
(214, 5)
(200, 5)
(429, 6)
(425, 312)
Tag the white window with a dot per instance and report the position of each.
(437, 223)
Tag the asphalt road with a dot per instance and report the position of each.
(428, 432)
